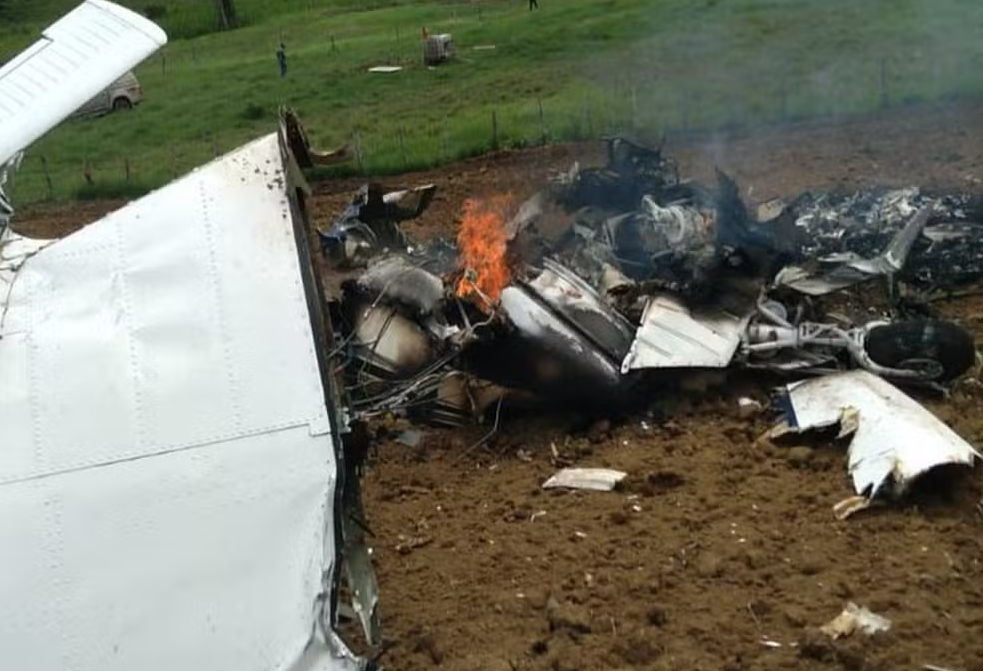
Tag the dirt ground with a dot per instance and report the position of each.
(719, 553)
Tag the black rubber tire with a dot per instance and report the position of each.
(122, 104)
(948, 344)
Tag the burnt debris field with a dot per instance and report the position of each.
(719, 548)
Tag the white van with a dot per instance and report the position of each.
(123, 94)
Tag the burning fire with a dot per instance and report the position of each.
(482, 246)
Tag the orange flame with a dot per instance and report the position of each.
(482, 246)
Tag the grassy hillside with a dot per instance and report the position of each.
(573, 68)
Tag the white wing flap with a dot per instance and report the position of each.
(77, 57)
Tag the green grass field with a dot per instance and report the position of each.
(572, 69)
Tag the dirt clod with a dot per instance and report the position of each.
(800, 456)
(709, 566)
(427, 644)
(638, 649)
(599, 431)
(657, 616)
(569, 617)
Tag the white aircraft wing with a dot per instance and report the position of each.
(171, 474)
(76, 58)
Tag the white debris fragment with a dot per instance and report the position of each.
(410, 438)
(855, 618)
(597, 479)
(770, 209)
(748, 407)
(895, 439)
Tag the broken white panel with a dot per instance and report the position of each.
(671, 336)
(597, 479)
(855, 618)
(76, 58)
(168, 473)
(895, 439)
(581, 358)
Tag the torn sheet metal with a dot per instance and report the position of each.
(548, 355)
(596, 479)
(304, 153)
(371, 223)
(390, 343)
(14, 251)
(76, 57)
(862, 224)
(851, 269)
(895, 439)
(580, 304)
(6, 208)
(671, 336)
(170, 480)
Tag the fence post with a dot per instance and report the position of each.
(47, 177)
(494, 135)
(783, 99)
(359, 160)
(126, 168)
(402, 146)
(544, 138)
(885, 99)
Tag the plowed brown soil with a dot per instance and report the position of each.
(719, 553)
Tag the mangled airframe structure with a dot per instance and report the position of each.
(613, 281)
(178, 484)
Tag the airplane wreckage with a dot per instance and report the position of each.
(613, 276)
(183, 441)
(612, 282)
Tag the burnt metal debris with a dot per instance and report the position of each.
(616, 277)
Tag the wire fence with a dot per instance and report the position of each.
(647, 110)
(192, 18)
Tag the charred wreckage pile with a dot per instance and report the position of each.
(605, 287)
